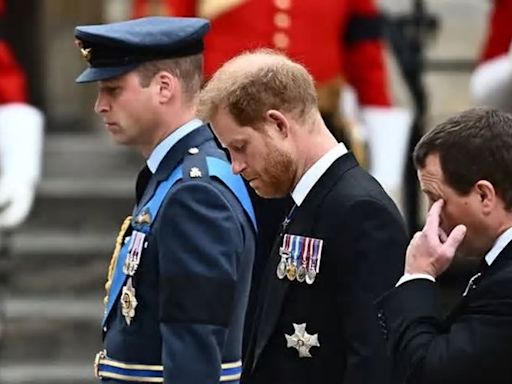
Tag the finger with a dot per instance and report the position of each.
(454, 239)
(442, 235)
(432, 223)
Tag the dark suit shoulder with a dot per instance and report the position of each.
(357, 190)
(495, 285)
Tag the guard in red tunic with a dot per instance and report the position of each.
(21, 130)
(337, 40)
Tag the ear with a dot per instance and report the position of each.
(279, 121)
(486, 194)
(166, 85)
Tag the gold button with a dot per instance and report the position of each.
(283, 4)
(281, 40)
(282, 20)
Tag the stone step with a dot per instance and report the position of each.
(43, 329)
(61, 373)
(83, 204)
(87, 154)
(59, 262)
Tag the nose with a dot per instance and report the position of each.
(237, 166)
(101, 105)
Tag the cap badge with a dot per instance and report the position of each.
(86, 54)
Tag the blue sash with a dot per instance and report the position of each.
(216, 168)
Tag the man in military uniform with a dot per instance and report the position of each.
(180, 274)
(341, 245)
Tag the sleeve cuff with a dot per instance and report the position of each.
(413, 276)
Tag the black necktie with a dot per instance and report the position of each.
(142, 182)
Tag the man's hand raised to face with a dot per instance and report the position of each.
(431, 251)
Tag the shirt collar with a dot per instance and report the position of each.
(166, 144)
(313, 174)
(500, 243)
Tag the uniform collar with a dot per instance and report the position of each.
(313, 174)
(165, 145)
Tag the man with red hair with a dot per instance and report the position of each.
(338, 41)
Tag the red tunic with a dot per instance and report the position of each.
(499, 31)
(12, 79)
(309, 31)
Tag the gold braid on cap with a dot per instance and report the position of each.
(115, 257)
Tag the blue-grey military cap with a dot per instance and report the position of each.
(114, 49)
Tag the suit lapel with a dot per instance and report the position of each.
(503, 259)
(173, 158)
(273, 290)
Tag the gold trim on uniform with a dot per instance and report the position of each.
(115, 256)
(118, 364)
(102, 359)
(137, 379)
(234, 364)
(231, 377)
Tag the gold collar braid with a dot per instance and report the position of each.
(115, 257)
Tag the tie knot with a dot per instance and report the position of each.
(142, 182)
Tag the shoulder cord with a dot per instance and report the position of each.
(115, 256)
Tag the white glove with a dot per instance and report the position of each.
(387, 132)
(21, 137)
(491, 83)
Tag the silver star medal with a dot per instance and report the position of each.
(128, 302)
(301, 340)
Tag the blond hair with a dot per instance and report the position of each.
(255, 82)
(188, 70)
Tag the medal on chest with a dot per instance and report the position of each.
(299, 258)
(301, 340)
(128, 298)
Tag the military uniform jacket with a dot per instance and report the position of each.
(472, 345)
(362, 256)
(193, 280)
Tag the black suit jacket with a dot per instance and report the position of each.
(363, 246)
(473, 344)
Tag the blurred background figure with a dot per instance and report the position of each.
(21, 132)
(21, 137)
(491, 81)
(341, 44)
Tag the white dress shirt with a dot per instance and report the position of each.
(313, 174)
(166, 144)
